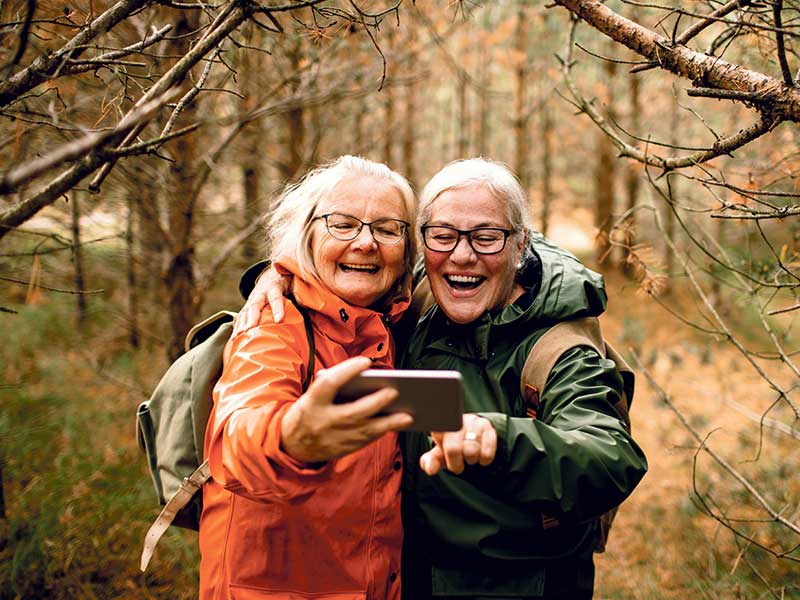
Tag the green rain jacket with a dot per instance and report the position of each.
(526, 525)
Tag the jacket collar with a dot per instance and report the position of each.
(344, 323)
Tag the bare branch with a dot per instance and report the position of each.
(704, 70)
(712, 18)
(21, 175)
(47, 65)
(747, 485)
(781, 49)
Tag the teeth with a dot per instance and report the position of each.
(364, 268)
(464, 278)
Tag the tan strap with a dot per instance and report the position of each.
(557, 340)
(179, 499)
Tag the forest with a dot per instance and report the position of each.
(142, 143)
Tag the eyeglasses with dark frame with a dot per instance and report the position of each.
(483, 240)
(347, 227)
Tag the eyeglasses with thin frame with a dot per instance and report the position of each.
(347, 227)
(483, 240)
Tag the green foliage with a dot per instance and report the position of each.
(78, 497)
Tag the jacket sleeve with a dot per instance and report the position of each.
(576, 460)
(262, 376)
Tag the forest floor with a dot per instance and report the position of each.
(661, 546)
(79, 499)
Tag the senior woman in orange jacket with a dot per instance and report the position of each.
(304, 500)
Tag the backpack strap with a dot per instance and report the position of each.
(542, 358)
(192, 484)
(564, 336)
(310, 337)
(179, 499)
(548, 349)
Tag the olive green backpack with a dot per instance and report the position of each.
(171, 425)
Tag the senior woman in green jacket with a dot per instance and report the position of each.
(509, 506)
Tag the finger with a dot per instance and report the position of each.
(328, 381)
(276, 301)
(368, 406)
(248, 317)
(432, 461)
(377, 426)
(452, 448)
(488, 445)
(472, 446)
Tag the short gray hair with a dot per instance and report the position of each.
(482, 172)
(292, 219)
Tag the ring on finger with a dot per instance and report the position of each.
(470, 436)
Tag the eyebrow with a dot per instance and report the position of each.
(479, 226)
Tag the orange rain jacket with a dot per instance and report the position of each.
(272, 527)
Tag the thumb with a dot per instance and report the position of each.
(328, 381)
(432, 461)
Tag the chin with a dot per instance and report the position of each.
(461, 317)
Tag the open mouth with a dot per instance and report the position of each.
(353, 268)
(464, 282)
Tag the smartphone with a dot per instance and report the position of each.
(434, 398)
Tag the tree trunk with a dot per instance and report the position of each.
(252, 160)
(547, 166)
(672, 180)
(605, 176)
(462, 123)
(180, 280)
(388, 101)
(151, 239)
(410, 119)
(133, 284)
(484, 106)
(77, 257)
(295, 124)
(521, 98)
(632, 173)
(409, 135)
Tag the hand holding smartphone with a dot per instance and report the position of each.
(434, 398)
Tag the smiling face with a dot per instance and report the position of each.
(359, 271)
(467, 284)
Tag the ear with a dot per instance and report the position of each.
(522, 241)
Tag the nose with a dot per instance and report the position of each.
(364, 240)
(463, 252)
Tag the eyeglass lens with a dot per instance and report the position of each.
(484, 240)
(346, 227)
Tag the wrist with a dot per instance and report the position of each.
(293, 442)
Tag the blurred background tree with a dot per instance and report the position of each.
(142, 142)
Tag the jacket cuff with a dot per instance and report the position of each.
(500, 423)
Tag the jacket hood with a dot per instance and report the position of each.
(558, 286)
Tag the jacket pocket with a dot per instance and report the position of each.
(242, 592)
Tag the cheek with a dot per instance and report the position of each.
(394, 257)
(433, 262)
(325, 256)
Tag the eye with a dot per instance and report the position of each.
(443, 235)
(389, 228)
(486, 237)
